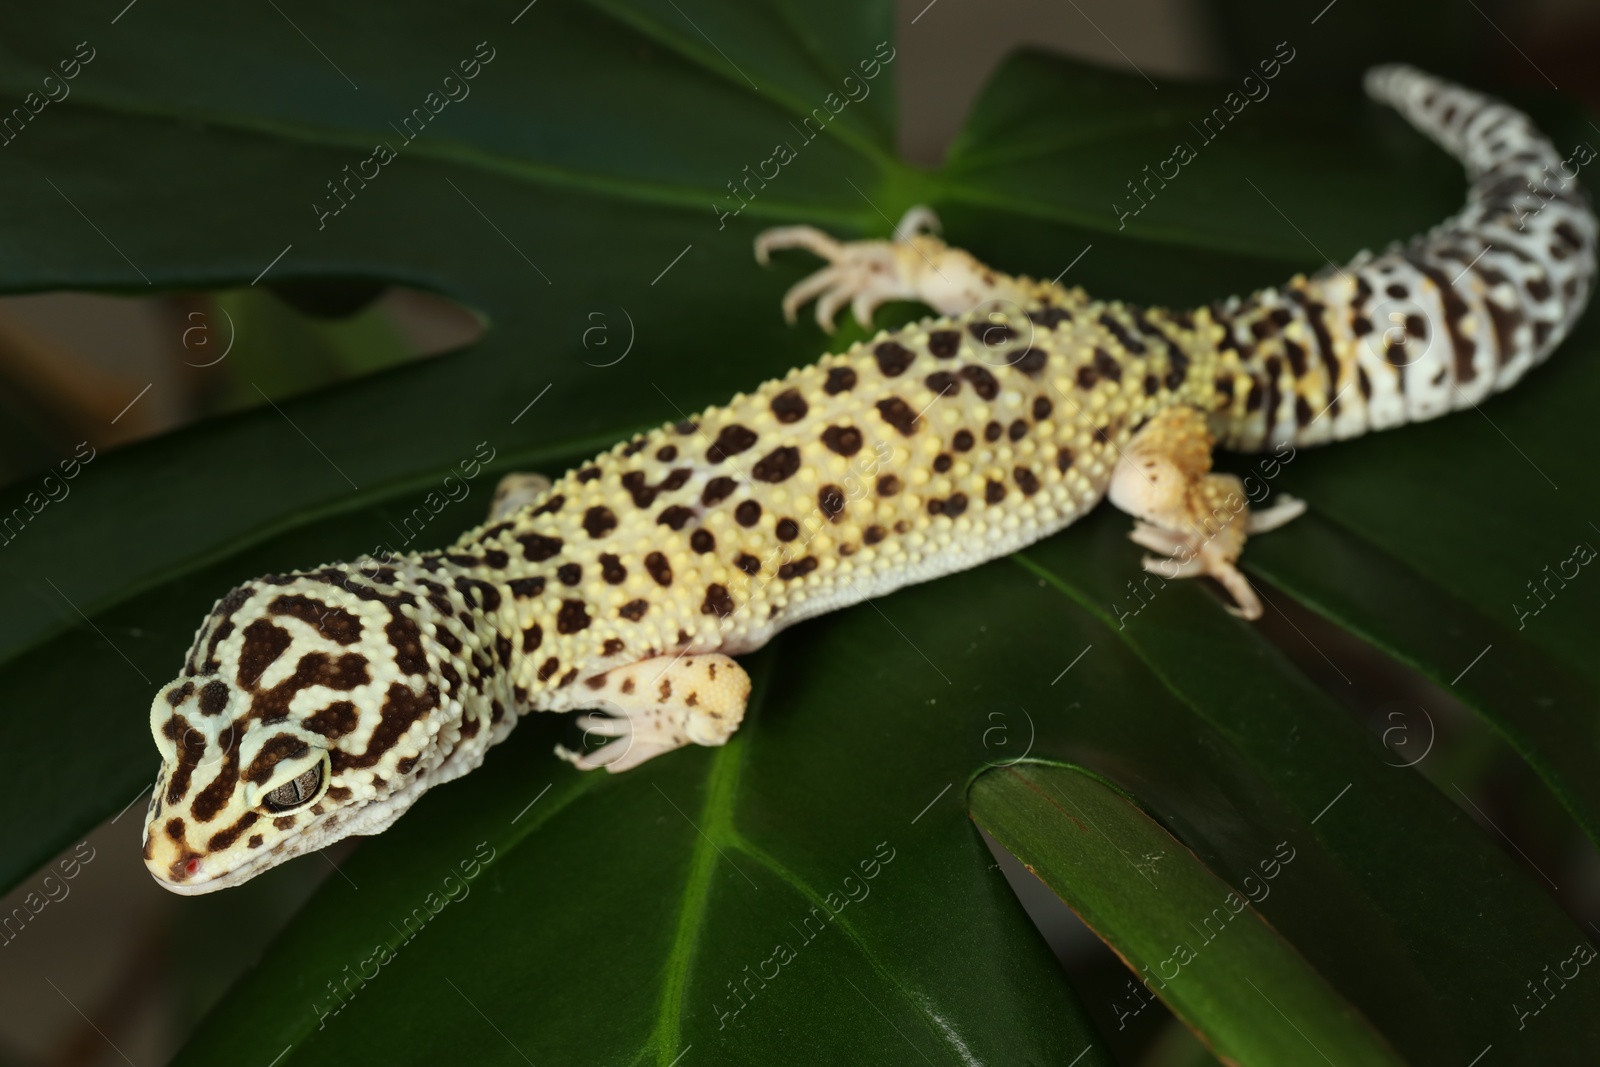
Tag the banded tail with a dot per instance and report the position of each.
(1427, 327)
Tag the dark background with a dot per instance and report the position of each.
(72, 367)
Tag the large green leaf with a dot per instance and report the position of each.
(600, 142)
(1194, 941)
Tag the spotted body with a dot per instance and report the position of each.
(323, 703)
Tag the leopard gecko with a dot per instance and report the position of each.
(323, 703)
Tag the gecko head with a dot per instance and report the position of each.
(304, 714)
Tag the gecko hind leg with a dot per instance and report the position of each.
(1198, 519)
(914, 265)
(659, 704)
(515, 492)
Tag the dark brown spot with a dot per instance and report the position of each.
(797, 568)
(263, 643)
(677, 517)
(898, 413)
(993, 431)
(942, 462)
(1042, 407)
(569, 574)
(336, 624)
(944, 344)
(748, 563)
(1027, 481)
(659, 568)
(528, 587)
(777, 465)
(702, 541)
(839, 379)
(599, 521)
(845, 440)
(1120, 332)
(1017, 430)
(612, 647)
(983, 383)
(787, 529)
(831, 499)
(747, 514)
(718, 602)
(943, 383)
(717, 490)
(179, 694)
(730, 442)
(1107, 366)
(225, 838)
(612, 570)
(573, 617)
(873, 534)
(209, 801)
(548, 668)
(789, 406)
(588, 474)
(537, 548)
(1063, 459)
(334, 721)
(634, 610)
(991, 334)
(638, 487)
(893, 358)
(213, 697)
(993, 492)
(551, 506)
(1029, 361)
(888, 485)
(1050, 318)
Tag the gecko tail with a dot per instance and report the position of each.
(1429, 326)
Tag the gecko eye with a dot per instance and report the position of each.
(296, 791)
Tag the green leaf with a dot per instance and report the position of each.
(1193, 940)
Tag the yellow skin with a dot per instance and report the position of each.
(323, 703)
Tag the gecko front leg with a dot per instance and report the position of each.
(1197, 520)
(662, 703)
(915, 265)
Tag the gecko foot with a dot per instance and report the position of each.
(863, 274)
(659, 704)
(1196, 520)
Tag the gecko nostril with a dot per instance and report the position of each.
(192, 868)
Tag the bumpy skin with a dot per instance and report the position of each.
(628, 584)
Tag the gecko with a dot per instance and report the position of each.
(323, 703)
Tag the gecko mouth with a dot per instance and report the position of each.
(194, 875)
